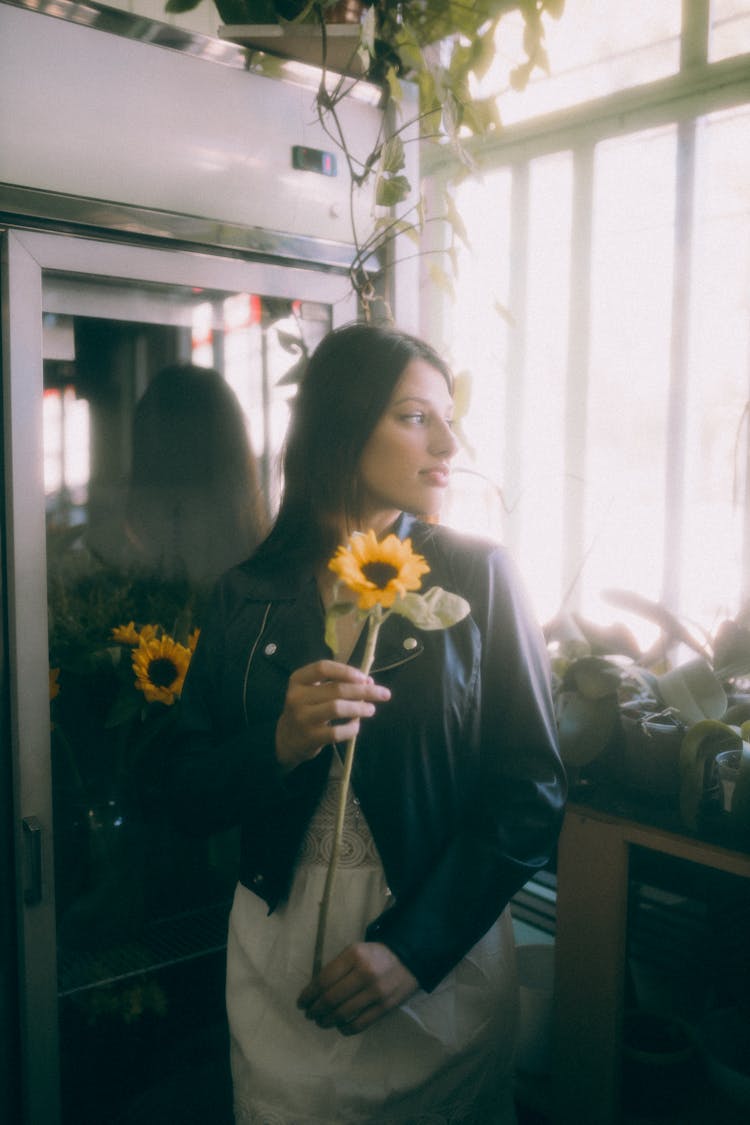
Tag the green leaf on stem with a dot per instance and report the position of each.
(393, 159)
(338, 609)
(391, 190)
(436, 609)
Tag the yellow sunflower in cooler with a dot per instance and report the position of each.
(160, 664)
(129, 635)
(378, 571)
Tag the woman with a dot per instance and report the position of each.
(457, 781)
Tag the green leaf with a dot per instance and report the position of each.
(401, 226)
(585, 726)
(554, 7)
(247, 11)
(393, 82)
(504, 312)
(393, 159)
(482, 115)
(731, 650)
(483, 53)
(177, 6)
(435, 609)
(694, 691)
(738, 714)
(609, 640)
(454, 218)
(338, 609)
(593, 677)
(440, 278)
(672, 628)
(391, 190)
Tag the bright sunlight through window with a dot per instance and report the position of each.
(602, 319)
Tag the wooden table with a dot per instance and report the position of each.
(590, 950)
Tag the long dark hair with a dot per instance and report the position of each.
(194, 506)
(342, 396)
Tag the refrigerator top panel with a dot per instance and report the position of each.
(172, 124)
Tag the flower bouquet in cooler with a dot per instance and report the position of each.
(122, 693)
(114, 693)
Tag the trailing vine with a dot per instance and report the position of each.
(443, 47)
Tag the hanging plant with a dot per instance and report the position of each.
(443, 47)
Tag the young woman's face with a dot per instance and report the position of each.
(405, 464)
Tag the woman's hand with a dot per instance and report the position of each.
(358, 987)
(324, 703)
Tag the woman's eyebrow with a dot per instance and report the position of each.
(422, 401)
(412, 398)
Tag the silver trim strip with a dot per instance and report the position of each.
(18, 203)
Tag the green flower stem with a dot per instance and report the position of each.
(374, 621)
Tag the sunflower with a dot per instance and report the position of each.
(378, 572)
(129, 635)
(160, 664)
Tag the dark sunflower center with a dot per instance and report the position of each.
(379, 573)
(162, 672)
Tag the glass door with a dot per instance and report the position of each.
(146, 403)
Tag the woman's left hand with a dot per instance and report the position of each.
(358, 987)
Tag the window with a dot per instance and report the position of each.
(597, 47)
(602, 318)
(730, 28)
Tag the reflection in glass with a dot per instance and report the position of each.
(163, 417)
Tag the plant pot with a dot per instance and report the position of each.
(728, 770)
(651, 756)
(303, 42)
(658, 1056)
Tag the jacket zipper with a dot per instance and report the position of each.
(255, 644)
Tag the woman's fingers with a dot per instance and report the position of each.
(357, 988)
(321, 671)
(325, 702)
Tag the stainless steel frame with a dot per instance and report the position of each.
(25, 258)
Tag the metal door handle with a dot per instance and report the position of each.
(32, 843)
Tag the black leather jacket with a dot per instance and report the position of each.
(458, 775)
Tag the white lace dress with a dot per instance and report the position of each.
(443, 1057)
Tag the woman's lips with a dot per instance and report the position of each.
(438, 476)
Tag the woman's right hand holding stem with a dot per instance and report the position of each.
(324, 703)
